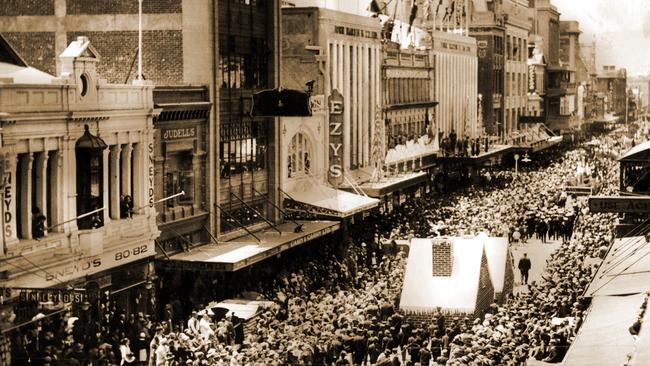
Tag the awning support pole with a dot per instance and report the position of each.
(277, 207)
(238, 223)
(257, 212)
(209, 233)
(164, 252)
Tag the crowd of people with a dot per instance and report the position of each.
(340, 305)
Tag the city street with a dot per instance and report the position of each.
(327, 183)
(538, 253)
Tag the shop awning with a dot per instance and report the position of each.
(640, 151)
(244, 251)
(494, 152)
(604, 338)
(392, 184)
(625, 270)
(545, 144)
(316, 198)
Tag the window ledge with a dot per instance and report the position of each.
(33, 246)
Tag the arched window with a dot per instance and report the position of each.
(299, 156)
(90, 170)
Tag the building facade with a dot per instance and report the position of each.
(456, 84)
(613, 83)
(181, 131)
(179, 47)
(339, 55)
(517, 28)
(248, 62)
(78, 188)
(488, 28)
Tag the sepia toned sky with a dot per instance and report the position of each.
(621, 29)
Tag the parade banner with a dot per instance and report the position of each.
(619, 204)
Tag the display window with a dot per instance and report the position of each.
(179, 177)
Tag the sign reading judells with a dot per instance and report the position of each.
(335, 105)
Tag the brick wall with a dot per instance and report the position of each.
(162, 57)
(485, 295)
(121, 6)
(442, 258)
(26, 7)
(37, 48)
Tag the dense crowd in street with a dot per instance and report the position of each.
(338, 305)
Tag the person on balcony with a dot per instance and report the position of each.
(126, 207)
(38, 223)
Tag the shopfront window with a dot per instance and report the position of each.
(299, 156)
(179, 178)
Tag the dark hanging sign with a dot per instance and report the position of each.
(281, 103)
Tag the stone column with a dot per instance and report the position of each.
(41, 182)
(127, 150)
(115, 181)
(56, 181)
(106, 185)
(26, 165)
(138, 177)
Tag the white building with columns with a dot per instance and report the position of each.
(74, 144)
(455, 84)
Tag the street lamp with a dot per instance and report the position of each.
(526, 159)
(516, 163)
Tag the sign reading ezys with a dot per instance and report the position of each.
(335, 106)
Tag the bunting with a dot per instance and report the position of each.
(426, 9)
(449, 11)
(374, 8)
(414, 12)
(438, 8)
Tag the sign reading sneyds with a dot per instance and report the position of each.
(335, 106)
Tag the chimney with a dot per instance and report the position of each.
(443, 258)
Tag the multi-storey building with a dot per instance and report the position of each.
(340, 53)
(517, 29)
(78, 187)
(455, 84)
(501, 30)
(570, 58)
(487, 26)
(177, 41)
(560, 90)
(613, 83)
(216, 169)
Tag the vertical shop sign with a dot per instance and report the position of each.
(7, 199)
(151, 173)
(532, 85)
(335, 106)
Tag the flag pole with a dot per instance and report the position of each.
(139, 40)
